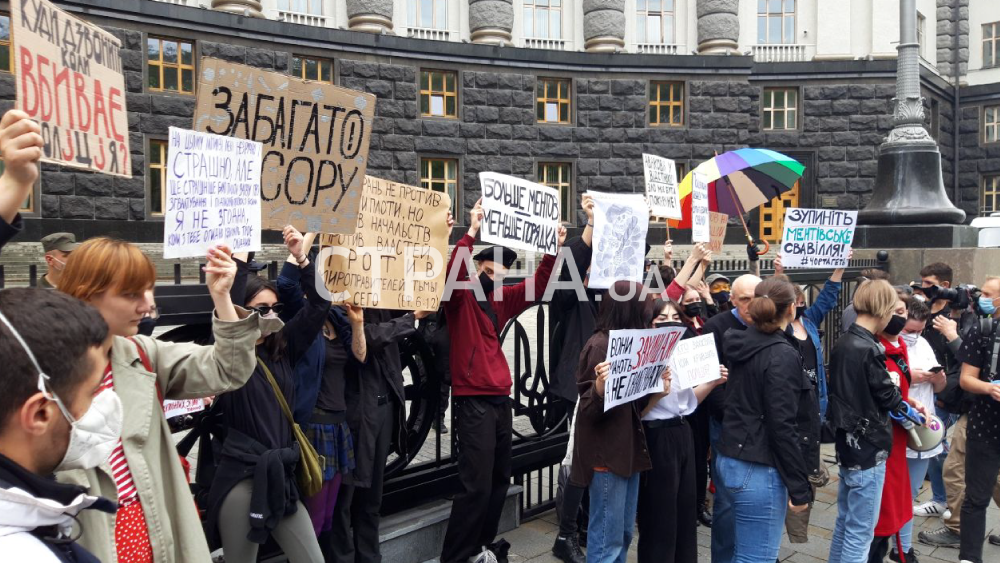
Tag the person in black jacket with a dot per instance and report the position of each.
(760, 466)
(20, 149)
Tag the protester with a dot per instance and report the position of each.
(760, 469)
(51, 417)
(848, 316)
(718, 286)
(481, 384)
(861, 396)
(610, 448)
(20, 149)
(57, 248)
(156, 518)
(668, 503)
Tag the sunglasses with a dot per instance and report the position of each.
(266, 309)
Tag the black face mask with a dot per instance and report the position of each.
(488, 284)
(668, 324)
(799, 311)
(693, 310)
(895, 326)
(721, 297)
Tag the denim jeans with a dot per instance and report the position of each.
(613, 501)
(935, 472)
(759, 502)
(918, 470)
(723, 519)
(858, 502)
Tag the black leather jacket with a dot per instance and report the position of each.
(765, 388)
(861, 392)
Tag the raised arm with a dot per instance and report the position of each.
(379, 335)
(21, 149)
(515, 297)
(699, 253)
(359, 347)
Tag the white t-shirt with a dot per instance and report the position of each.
(922, 357)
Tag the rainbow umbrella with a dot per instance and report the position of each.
(739, 181)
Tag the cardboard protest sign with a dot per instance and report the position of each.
(637, 359)
(694, 362)
(700, 223)
(717, 228)
(661, 187)
(620, 225)
(68, 75)
(817, 238)
(173, 408)
(519, 214)
(212, 194)
(315, 138)
(396, 259)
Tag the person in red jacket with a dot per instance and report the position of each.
(481, 383)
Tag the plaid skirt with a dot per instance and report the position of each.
(335, 446)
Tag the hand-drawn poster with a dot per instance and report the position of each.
(68, 76)
(396, 259)
(717, 227)
(519, 214)
(315, 138)
(212, 194)
(637, 359)
(620, 225)
(661, 187)
(700, 222)
(817, 238)
(172, 408)
(694, 362)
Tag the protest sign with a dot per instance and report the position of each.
(68, 76)
(315, 138)
(637, 359)
(694, 362)
(817, 238)
(173, 408)
(717, 228)
(519, 214)
(620, 225)
(212, 194)
(396, 258)
(661, 187)
(700, 223)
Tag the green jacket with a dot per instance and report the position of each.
(182, 371)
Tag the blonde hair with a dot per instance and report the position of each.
(103, 264)
(876, 298)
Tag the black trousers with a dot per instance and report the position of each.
(982, 464)
(668, 504)
(699, 431)
(483, 430)
(354, 536)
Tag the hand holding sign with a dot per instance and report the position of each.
(20, 149)
(294, 241)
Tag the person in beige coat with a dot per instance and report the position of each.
(145, 474)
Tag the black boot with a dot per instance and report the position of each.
(705, 516)
(568, 550)
(911, 556)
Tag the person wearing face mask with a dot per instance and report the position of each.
(718, 286)
(481, 384)
(53, 415)
(156, 518)
(668, 503)
(57, 248)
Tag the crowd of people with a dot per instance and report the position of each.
(307, 402)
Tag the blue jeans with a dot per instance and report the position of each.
(935, 472)
(858, 502)
(759, 502)
(918, 470)
(723, 520)
(613, 501)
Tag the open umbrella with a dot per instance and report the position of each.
(739, 181)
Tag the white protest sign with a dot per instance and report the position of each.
(620, 225)
(700, 230)
(817, 238)
(637, 359)
(519, 214)
(661, 187)
(212, 194)
(173, 408)
(694, 362)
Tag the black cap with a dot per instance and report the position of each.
(508, 256)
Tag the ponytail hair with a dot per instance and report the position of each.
(770, 304)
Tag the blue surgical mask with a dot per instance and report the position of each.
(986, 305)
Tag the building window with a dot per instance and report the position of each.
(655, 21)
(559, 175)
(438, 93)
(666, 103)
(681, 169)
(314, 7)
(543, 19)
(6, 54)
(428, 14)
(991, 45)
(308, 68)
(991, 124)
(441, 175)
(169, 65)
(552, 100)
(780, 106)
(921, 32)
(991, 195)
(775, 22)
(157, 157)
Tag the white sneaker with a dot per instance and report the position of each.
(946, 515)
(929, 509)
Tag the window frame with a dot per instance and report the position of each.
(456, 201)
(558, 100)
(309, 4)
(642, 15)
(993, 39)
(784, 14)
(772, 109)
(179, 66)
(568, 213)
(319, 60)
(160, 169)
(430, 92)
(9, 42)
(994, 180)
(413, 15)
(985, 139)
(651, 104)
(532, 6)
(921, 33)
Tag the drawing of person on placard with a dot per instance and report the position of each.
(625, 245)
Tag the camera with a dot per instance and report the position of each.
(961, 297)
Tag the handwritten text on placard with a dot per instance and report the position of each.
(817, 238)
(694, 362)
(637, 359)
(519, 214)
(700, 224)
(661, 186)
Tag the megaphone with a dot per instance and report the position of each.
(926, 437)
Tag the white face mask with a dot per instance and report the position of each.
(910, 338)
(94, 435)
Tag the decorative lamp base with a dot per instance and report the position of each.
(909, 188)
